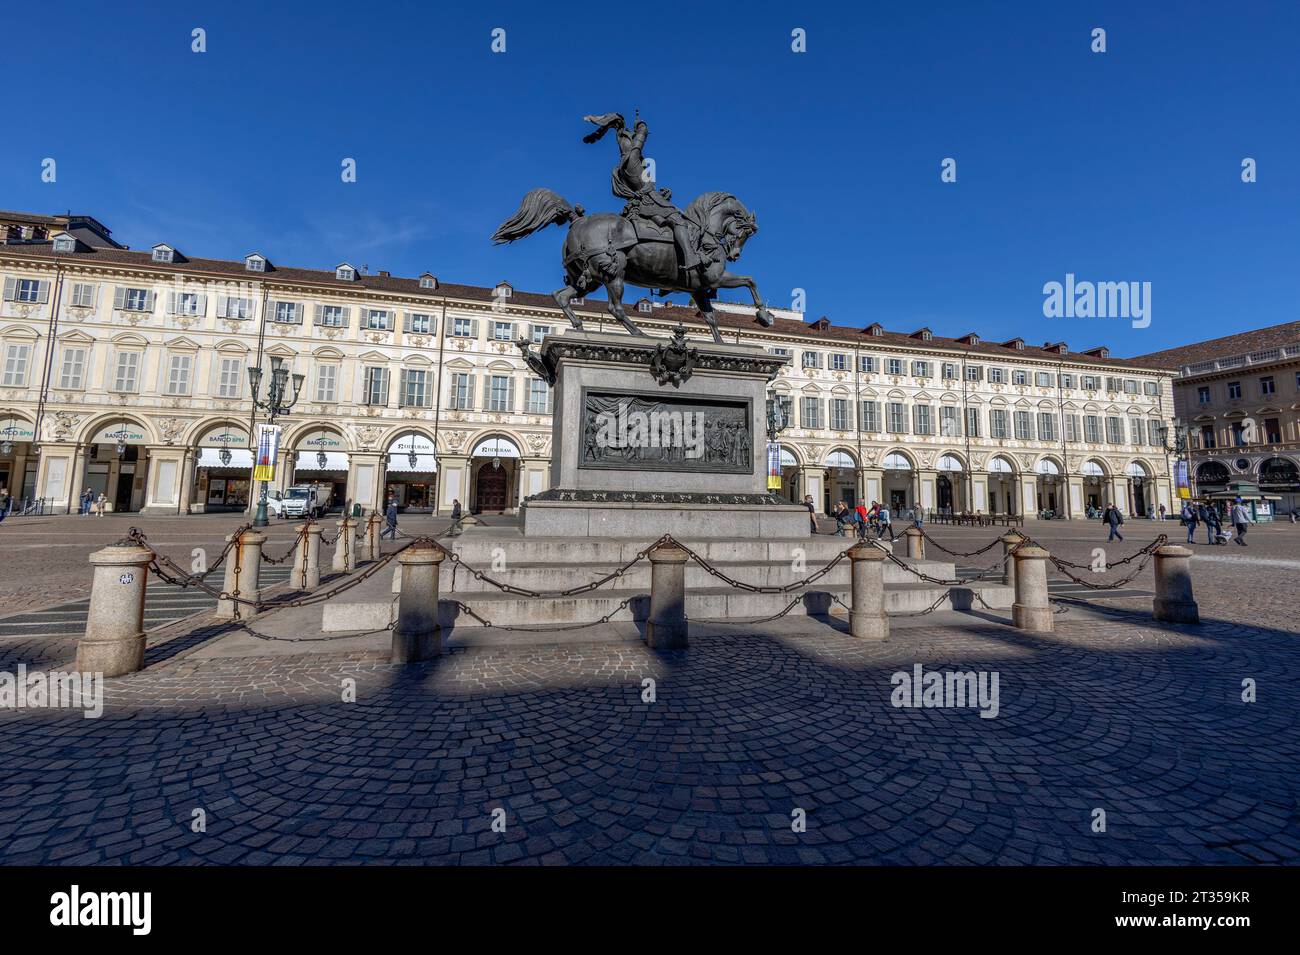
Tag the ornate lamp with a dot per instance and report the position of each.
(278, 402)
(322, 459)
(412, 458)
(225, 457)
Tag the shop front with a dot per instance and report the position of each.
(841, 479)
(320, 456)
(1281, 477)
(494, 470)
(17, 462)
(1001, 487)
(411, 473)
(898, 482)
(223, 463)
(116, 465)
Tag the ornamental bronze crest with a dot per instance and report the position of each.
(674, 360)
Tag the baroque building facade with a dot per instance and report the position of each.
(125, 372)
(1237, 401)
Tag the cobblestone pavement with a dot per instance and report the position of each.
(1112, 712)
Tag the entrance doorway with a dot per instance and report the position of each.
(126, 479)
(490, 494)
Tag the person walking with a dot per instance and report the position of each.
(455, 516)
(101, 503)
(812, 512)
(1114, 518)
(4, 503)
(1162, 512)
(883, 525)
(86, 498)
(1240, 520)
(390, 520)
(918, 515)
(1188, 516)
(840, 513)
(862, 519)
(1213, 526)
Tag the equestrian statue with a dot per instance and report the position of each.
(652, 243)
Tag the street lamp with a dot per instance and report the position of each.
(776, 417)
(278, 401)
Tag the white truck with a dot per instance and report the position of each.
(301, 500)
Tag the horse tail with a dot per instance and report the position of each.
(539, 208)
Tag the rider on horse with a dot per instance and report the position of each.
(629, 182)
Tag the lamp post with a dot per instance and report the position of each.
(278, 401)
(1179, 448)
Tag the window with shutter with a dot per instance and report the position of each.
(17, 358)
(72, 375)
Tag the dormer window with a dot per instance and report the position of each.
(64, 243)
(503, 290)
(1017, 343)
(875, 328)
(345, 273)
(969, 339)
(821, 324)
(923, 334)
(428, 281)
(254, 262)
(164, 253)
(643, 306)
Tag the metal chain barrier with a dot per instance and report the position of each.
(1160, 541)
(956, 553)
(755, 588)
(302, 535)
(464, 608)
(477, 574)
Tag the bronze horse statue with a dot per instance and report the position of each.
(611, 250)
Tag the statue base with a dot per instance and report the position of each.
(656, 436)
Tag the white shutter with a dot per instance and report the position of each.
(171, 303)
(318, 314)
(148, 301)
(11, 288)
(119, 297)
(203, 304)
(43, 292)
(510, 394)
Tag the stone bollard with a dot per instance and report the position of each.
(114, 640)
(1010, 541)
(867, 620)
(417, 635)
(372, 536)
(1032, 611)
(1173, 602)
(666, 627)
(345, 550)
(243, 570)
(915, 543)
(306, 572)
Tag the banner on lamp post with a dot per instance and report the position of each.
(1180, 480)
(773, 466)
(268, 451)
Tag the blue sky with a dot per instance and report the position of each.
(1122, 166)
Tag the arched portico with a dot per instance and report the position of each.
(411, 470)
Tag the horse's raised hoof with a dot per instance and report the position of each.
(765, 317)
(576, 324)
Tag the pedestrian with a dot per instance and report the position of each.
(5, 498)
(101, 503)
(862, 518)
(390, 520)
(1162, 512)
(918, 515)
(86, 499)
(1213, 527)
(812, 512)
(455, 516)
(1240, 520)
(1114, 518)
(883, 525)
(1188, 517)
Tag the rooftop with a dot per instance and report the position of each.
(1242, 343)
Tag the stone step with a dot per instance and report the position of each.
(551, 577)
(704, 603)
(482, 550)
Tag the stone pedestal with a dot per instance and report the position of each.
(345, 547)
(867, 619)
(307, 563)
(417, 635)
(915, 543)
(243, 576)
(1173, 602)
(654, 436)
(1010, 541)
(1032, 610)
(666, 627)
(114, 639)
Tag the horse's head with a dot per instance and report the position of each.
(737, 227)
